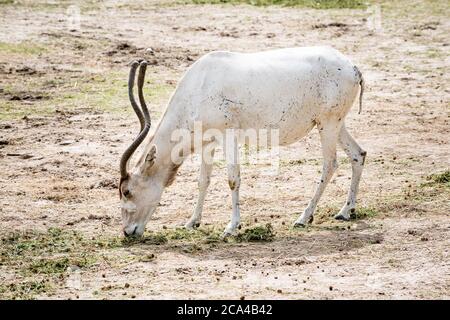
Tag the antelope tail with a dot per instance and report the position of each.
(361, 84)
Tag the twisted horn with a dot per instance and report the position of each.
(145, 128)
(136, 108)
(141, 79)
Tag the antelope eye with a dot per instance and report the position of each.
(126, 193)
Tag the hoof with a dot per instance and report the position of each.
(299, 225)
(230, 230)
(341, 217)
(229, 233)
(191, 226)
(225, 236)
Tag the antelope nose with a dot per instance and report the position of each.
(128, 232)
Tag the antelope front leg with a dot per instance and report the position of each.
(234, 181)
(203, 183)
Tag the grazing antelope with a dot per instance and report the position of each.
(292, 90)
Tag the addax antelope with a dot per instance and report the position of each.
(292, 90)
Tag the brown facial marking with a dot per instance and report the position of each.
(172, 173)
(150, 157)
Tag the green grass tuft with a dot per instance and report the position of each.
(24, 290)
(182, 234)
(440, 178)
(152, 239)
(325, 216)
(49, 253)
(364, 213)
(257, 234)
(59, 265)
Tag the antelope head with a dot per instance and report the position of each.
(140, 189)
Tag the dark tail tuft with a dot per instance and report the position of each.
(361, 84)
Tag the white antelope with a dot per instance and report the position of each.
(292, 90)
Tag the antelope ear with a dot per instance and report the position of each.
(151, 155)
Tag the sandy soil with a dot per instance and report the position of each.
(65, 120)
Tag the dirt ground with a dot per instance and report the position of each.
(65, 119)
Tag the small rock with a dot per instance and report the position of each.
(123, 46)
(73, 268)
(65, 143)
